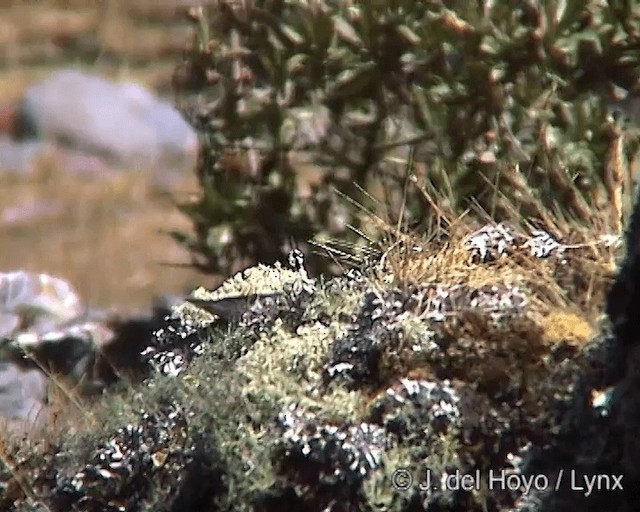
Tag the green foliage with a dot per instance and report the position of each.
(498, 104)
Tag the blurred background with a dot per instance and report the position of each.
(69, 206)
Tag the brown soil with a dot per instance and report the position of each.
(103, 231)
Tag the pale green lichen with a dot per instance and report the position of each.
(258, 280)
(236, 294)
(340, 296)
(287, 367)
(192, 313)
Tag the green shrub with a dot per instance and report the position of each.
(502, 106)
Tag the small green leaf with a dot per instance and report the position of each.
(351, 82)
(408, 35)
(440, 92)
(297, 63)
(590, 39)
(421, 106)
(346, 31)
(293, 36)
(284, 32)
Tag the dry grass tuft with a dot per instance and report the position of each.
(417, 261)
(578, 280)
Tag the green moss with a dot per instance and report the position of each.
(287, 368)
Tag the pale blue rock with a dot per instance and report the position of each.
(18, 157)
(23, 392)
(121, 121)
(36, 303)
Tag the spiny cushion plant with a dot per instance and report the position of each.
(498, 106)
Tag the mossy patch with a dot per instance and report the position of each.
(288, 368)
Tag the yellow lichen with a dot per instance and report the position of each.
(567, 327)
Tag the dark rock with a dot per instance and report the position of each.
(598, 441)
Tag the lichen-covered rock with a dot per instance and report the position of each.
(116, 475)
(174, 346)
(262, 280)
(334, 459)
(433, 361)
(262, 283)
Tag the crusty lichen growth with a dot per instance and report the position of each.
(257, 280)
(192, 313)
